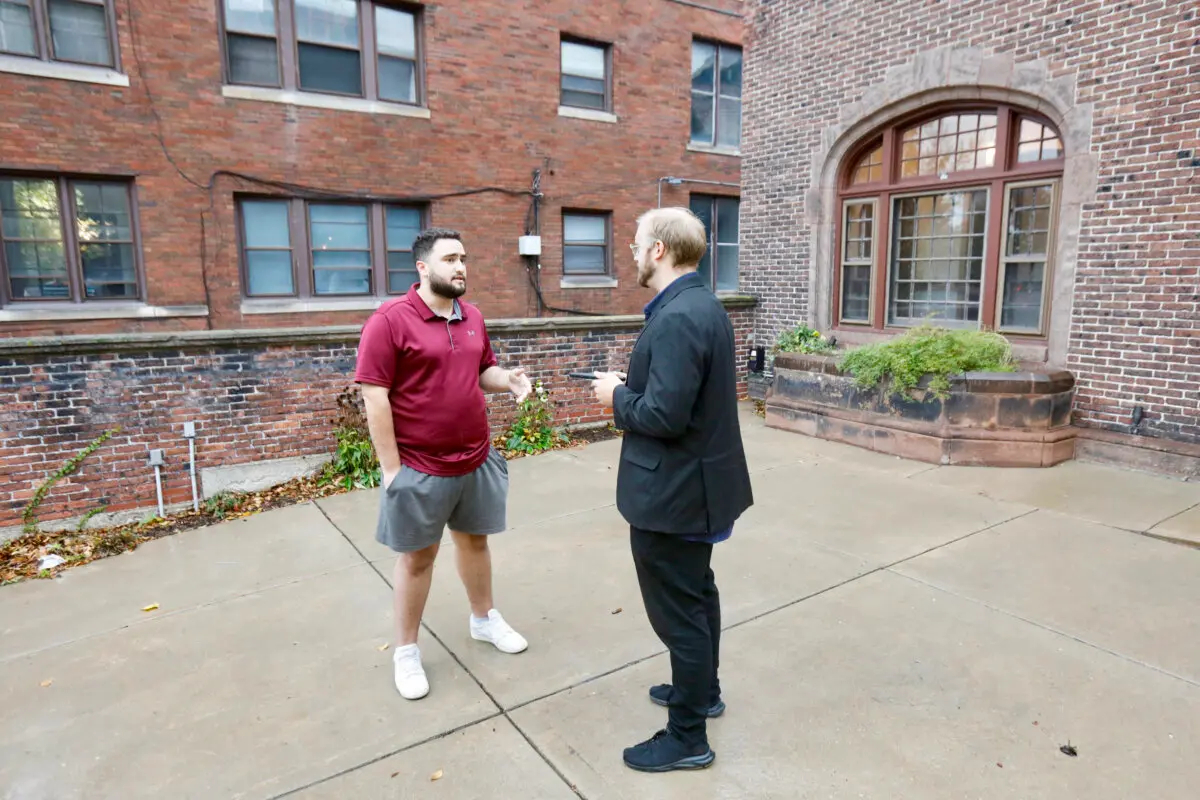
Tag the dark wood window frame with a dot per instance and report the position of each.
(299, 234)
(287, 46)
(44, 43)
(73, 259)
(606, 216)
(607, 48)
(716, 92)
(714, 233)
(1005, 174)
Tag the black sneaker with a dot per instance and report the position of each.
(661, 695)
(664, 752)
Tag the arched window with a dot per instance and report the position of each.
(949, 217)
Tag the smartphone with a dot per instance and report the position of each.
(583, 376)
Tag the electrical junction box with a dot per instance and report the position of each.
(529, 245)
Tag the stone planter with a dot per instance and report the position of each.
(997, 419)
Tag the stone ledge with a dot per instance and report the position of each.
(24, 347)
(1161, 456)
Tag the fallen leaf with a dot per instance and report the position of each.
(998, 764)
(1035, 722)
(151, 607)
(394, 774)
(1068, 750)
(618, 611)
(437, 776)
(382, 647)
(47, 683)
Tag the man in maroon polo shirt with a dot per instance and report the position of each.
(424, 362)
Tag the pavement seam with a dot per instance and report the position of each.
(501, 711)
(1048, 628)
(1192, 507)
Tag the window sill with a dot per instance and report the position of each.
(587, 113)
(80, 73)
(84, 311)
(315, 100)
(291, 305)
(595, 282)
(714, 150)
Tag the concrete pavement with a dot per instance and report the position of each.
(892, 631)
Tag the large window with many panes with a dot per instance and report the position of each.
(950, 218)
(298, 248)
(355, 48)
(67, 240)
(716, 94)
(71, 31)
(720, 216)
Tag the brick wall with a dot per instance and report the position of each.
(252, 397)
(492, 85)
(1134, 332)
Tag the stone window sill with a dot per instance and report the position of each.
(714, 150)
(597, 282)
(587, 113)
(27, 312)
(292, 305)
(80, 73)
(316, 100)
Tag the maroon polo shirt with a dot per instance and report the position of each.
(431, 367)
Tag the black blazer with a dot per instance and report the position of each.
(683, 469)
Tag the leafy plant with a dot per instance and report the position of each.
(222, 504)
(533, 431)
(86, 518)
(899, 365)
(354, 464)
(29, 516)
(803, 339)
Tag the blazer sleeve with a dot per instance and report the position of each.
(678, 362)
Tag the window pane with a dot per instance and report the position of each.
(856, 293)
(334, 272)
(396, 32)
(727, 221)
(37, 269)
(702, 118)
(583, 100)
(79, 32)
(1029, 151)
(102, 212)
(269, 272)
(29, 210)
(16, 29)
(403, 225)
(727, 267)
(584, 229)
(402, 272)
(339, 227)
(590, 85)
(943, 285)
(250, 16)
(731, 72)
(729, 123)
(584, 259)
(108, 270)
(704, 60)
(266, 223)
(1022, 296)
(332, 22)
(328, 69)
(253, 60)
(397, 79)
(1030, 131)
(586, 61)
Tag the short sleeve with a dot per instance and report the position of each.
(487, 359)
(376, 353)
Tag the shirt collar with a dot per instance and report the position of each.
(658, 298)
(426, 312)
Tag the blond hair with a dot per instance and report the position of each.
(680, 231)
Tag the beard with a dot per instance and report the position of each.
(447, 288)
(645, 272)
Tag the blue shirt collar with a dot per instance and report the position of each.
(653, 304)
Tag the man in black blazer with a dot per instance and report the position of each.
(683, 479)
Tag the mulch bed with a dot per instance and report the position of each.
(20, 557)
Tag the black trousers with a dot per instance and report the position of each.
(679, 591)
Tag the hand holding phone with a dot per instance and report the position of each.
(583, 376)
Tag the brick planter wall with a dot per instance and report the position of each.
(255, 396)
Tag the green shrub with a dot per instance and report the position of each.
(354, 464)
(803, 339)
(899, 364)
(533, 429)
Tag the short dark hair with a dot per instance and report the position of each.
(426, 239)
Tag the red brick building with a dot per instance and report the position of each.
(1029, 167)
(202, 201)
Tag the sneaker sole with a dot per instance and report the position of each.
(713, 711)
(498, 647)
(415, 697)
(691, 762)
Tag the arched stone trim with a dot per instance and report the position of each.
(966, 75)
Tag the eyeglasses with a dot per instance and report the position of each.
(634, 247)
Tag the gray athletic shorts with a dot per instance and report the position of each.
(415, 508)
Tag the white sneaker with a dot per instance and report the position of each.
(410, 675)
(495, 630)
